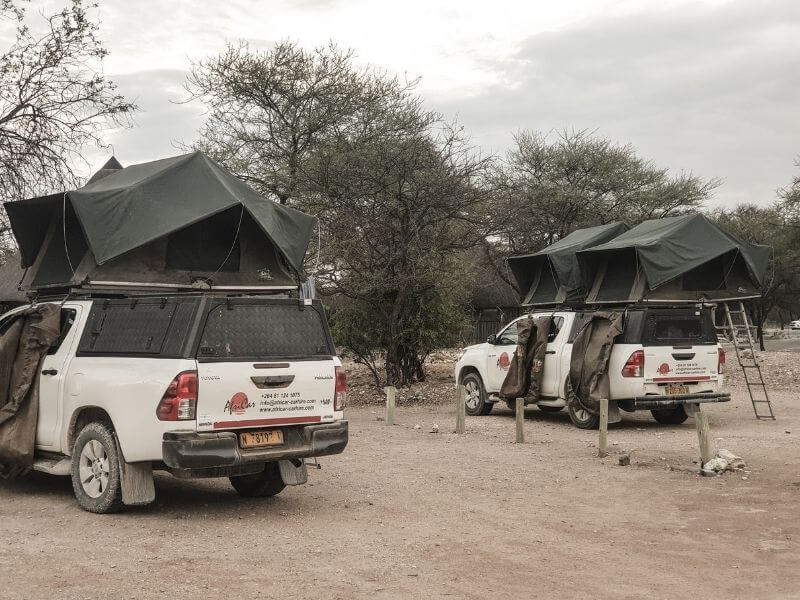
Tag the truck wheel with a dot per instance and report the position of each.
(477, 403)
(95, 470)
(580, 417)
(260, 485)
(671, 416)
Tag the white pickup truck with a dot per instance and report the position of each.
(665, 359)
(200, 386)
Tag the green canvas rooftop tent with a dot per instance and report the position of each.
(676, 259)
(551, 276)
(178, 223)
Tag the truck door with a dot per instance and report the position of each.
(499, 355)
(555, 344)
(51, 379)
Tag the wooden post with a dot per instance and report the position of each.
(520, 406)
(461, 409)
(703, 432)
(391, 395)
(602, 447)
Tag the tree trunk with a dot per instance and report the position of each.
(760, 324)
(403, 365)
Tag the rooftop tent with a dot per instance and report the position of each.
(552, 276)
(172, 223)
(675, 259)
(112, 165)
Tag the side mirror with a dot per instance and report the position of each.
(492, 339)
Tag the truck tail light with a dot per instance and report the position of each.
(634, 367)
(721, 361)
(340, 391)
(179, 402)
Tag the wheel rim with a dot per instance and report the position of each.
(93, 469)
(473, 394)
(581, 414)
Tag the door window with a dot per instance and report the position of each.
(67, 321)
(555, 327)
(509, 334)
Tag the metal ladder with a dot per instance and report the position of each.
(740, 332)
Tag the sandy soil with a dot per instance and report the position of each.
(405, 513)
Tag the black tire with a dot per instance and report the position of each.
(477, 401)
(580, 417)
(549, 409)
(671, 416)
(96, 477)
(260, 485)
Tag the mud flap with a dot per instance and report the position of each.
(613, 412)
(293, 474)
(136, 480)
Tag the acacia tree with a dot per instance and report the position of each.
(54, 100)
(779, 228)
(269, 110)
(397, 208)
(395, 189)
(551, 184)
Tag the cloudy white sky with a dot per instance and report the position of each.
(711, 87)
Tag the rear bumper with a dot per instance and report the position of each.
(216, 450)
(658, 402)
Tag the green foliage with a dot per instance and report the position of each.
(396, 210)
(435, 318)
(269, 111)
(777, 226)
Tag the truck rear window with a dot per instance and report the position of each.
(678, 329)
(684, 327)
(250, 331)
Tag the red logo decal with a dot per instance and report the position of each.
(238, 405)
(503, 362)
(664, 369)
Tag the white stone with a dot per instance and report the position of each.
(716, 464)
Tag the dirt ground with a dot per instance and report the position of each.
(405, 513)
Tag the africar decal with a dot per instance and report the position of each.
(504, 361)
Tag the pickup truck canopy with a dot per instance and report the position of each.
(172, 219)
(686, 258)
(552, 276)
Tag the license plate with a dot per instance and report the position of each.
(260, 439)
(673, 390)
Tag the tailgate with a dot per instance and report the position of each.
(680, 348)
(263, 363)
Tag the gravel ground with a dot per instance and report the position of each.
(404, 513)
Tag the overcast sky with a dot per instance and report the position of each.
(710, 87)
